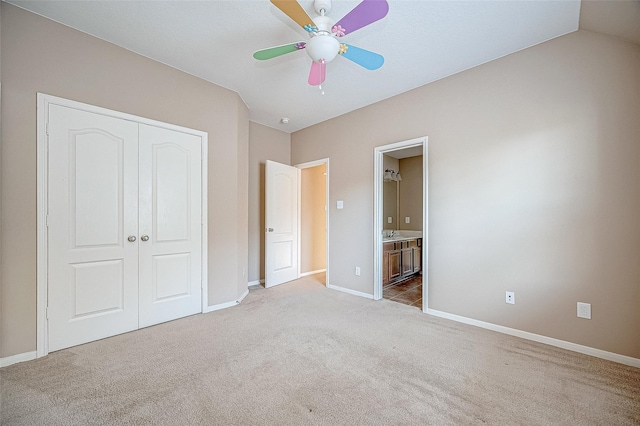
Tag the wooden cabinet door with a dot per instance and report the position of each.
(385, 268)
(407, 260)
(417, 259)
(395, 267)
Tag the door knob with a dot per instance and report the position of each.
(145, 238)
(131, 238)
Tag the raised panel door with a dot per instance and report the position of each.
(170, 222)
(281, 218)
(93, 204)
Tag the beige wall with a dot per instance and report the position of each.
(411, 193)
(533, 188)
(242, 204)
(39, 55)
(265, 144)
(313, 219)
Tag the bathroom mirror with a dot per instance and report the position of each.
(390, 204)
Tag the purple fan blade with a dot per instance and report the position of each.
(365, 13)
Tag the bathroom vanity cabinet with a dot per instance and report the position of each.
(401, 259)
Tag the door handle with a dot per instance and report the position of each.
(269, 229)
(145, 238)
(131, 238)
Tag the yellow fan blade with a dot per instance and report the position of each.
(294, 11)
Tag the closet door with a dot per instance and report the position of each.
(170, 225)
(93, 210)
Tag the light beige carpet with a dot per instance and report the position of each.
(302, 354)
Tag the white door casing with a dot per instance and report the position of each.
(93, 207)
(92, 279)
(378, 215)
(281, 221)
(170, 238)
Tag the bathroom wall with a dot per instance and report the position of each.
(411, 193)
(390, 195)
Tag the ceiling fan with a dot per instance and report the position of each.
(324, 46)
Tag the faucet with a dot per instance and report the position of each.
(392, 233)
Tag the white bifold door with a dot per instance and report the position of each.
(124, 226)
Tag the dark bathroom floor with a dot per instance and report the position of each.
(408, 292)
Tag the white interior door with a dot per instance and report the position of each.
(124, 225)
(93, 208)
(170, 225)
(281, 219)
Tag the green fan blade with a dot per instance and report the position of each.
(273, 52)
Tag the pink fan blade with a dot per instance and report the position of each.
(318, 73)
(365, 13)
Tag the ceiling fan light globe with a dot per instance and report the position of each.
(323, 47)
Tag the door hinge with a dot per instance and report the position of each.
(47, 128)
(46, 220)
(47, 312)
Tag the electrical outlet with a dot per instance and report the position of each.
(389, 219)
(510, 298)
(584, 310)
(357, 270)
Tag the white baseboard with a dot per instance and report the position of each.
(227, 304)
(306, 274)
(256, 282)
(598, 353)
(220, 306)
(14, 359)
(241, 298)
(348, 290)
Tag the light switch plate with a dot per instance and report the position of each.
(389, 220)
(340, 204)
(407, 219)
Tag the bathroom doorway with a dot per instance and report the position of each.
(400, 227)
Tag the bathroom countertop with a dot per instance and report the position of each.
(398, 238)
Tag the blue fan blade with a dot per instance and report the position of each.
(364, 58)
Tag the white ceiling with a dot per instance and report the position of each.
(422, 41)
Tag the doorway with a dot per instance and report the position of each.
(314, 219)
(400, 224)
(296, 221)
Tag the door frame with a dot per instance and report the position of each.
(378, 225)
(308, 165)
(42, 207)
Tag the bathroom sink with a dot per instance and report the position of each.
(396, 238)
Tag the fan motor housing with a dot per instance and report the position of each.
(324, 23)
